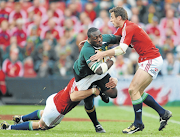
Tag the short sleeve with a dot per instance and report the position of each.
(118, 32)
(87, 53)
(109, 38)
(127, 35)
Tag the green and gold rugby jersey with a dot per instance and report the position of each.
(81, 64)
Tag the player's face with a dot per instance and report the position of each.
(96, 38)
(114, 20)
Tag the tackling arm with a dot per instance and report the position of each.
(119, 50)
(80, 95)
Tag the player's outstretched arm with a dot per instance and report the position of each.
(119, 50)
(80, 95)
(100, 68)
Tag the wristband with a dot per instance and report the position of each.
(113, 59)
(93, 90)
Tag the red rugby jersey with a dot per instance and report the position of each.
(139, 40)
(62, 98)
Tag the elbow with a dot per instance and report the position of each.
(73, 98)
(99, 71)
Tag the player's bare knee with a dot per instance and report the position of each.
(130, 90)
(41, 113)
(42, 125)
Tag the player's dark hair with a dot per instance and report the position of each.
(119, 11)
(90, 31)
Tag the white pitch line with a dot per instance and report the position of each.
(147, 114)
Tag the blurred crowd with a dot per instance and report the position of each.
(39, 38)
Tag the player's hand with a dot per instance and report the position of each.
(112, 83)
(81, 44)
(98, 56)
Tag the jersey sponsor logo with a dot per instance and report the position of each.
(141, 65)
(153, 71)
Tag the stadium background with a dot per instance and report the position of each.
(41, 38)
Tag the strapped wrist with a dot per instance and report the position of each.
(93, 90)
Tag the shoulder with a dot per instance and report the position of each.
(87, 47)
(108, 36)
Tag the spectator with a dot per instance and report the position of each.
(51, 40)
(80, 37)
(37, 8)
(159, 6)
(17, 13)
(170, 66)
(68, 25)
(106, 27)
(56, 12)
(62, 46)
(4, 35)
(63, 67)
(142, 10)
(3, 88)
(119, 68)
(20, 32)
(13, 67)
(75, 7)
(135, 20)
(99, 21)
(168, 45)
(30, 19)
(82, 16)
(13, 45)
(169, 22)
(89, 9)
(121, 4)
(29, 48)
(86, 24)
(4, 12)
(44, 67)
(29, 68)
(103, 5)
(37, 55)
(153, 31)
(36, 25)
(50, 15)
(148, 16)
(56, 31)
(68, 14)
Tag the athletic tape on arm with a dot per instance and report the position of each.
(121, 49)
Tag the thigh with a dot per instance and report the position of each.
(101, 83)
(51, 117)
(140, 80)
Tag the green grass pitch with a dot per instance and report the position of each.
(86, 128)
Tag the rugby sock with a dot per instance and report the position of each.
(32, 116)
(149, 100)
(137, 105)
(92, 115)
(23, 126)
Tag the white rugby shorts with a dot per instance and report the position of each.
(152, 66)
(51, 116)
